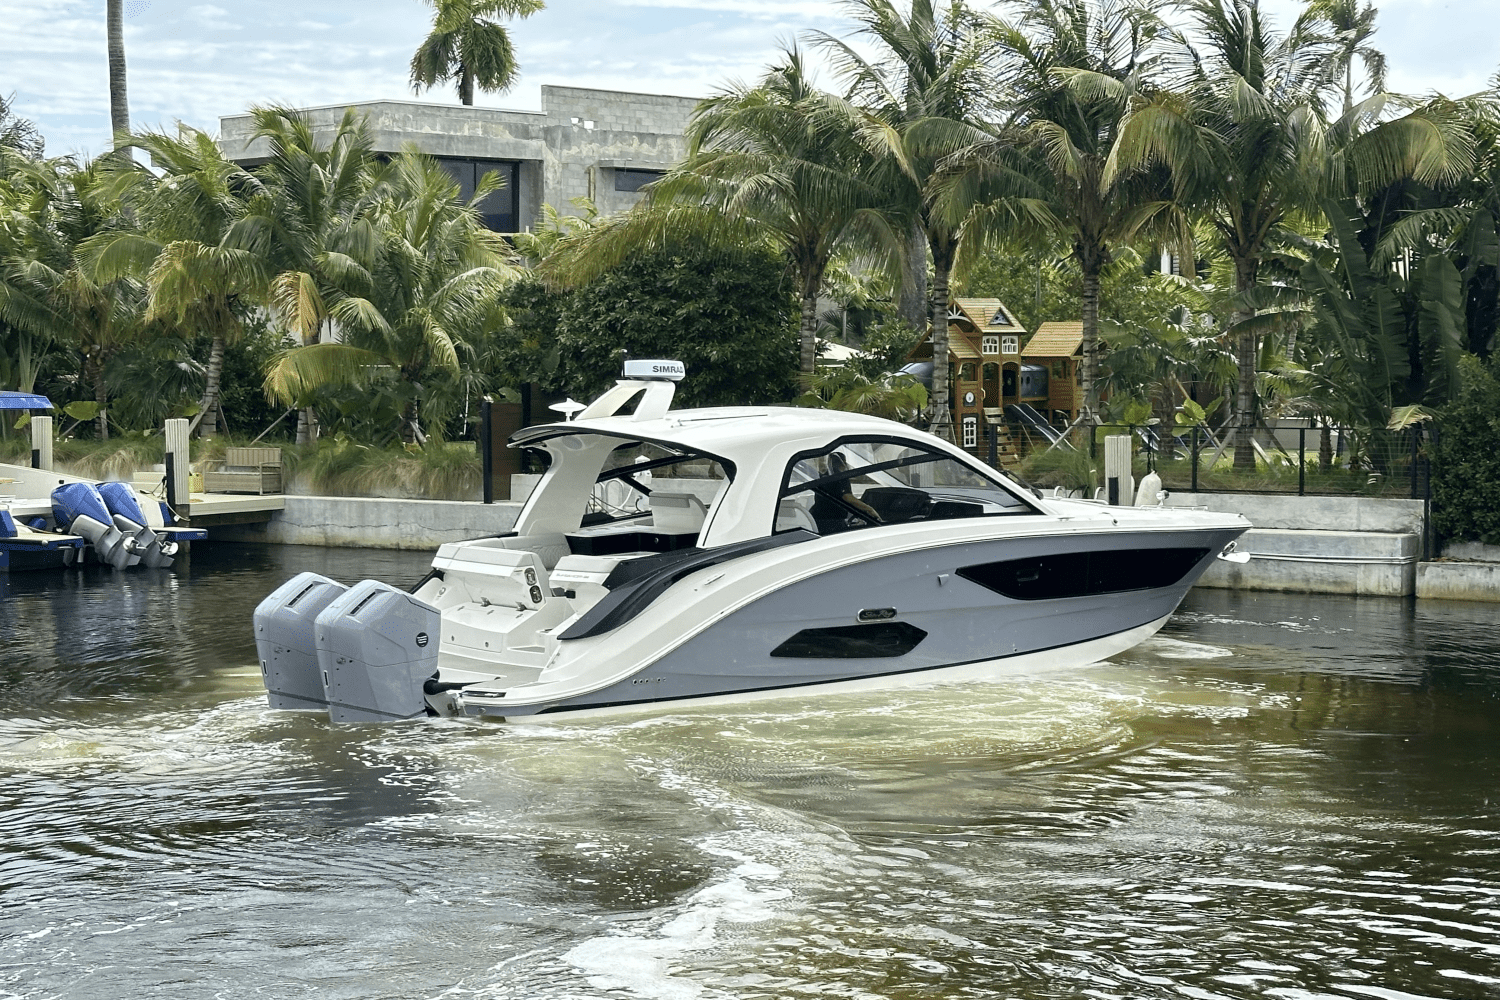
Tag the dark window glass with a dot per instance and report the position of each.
(634, 180)
(862, 484)
(1077, 574)
(853, 642)
(501, 210)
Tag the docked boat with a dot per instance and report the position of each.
(50, 519)
(672, 557)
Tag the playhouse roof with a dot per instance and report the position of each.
(1055, 340)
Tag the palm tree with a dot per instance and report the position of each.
(926, 91)
(467, 46)
(416, 306)
(197, 280)
(1071, 70)
(119, 103)
(47, 211)
(1346, 27)
(1247, 140)
(313, 216)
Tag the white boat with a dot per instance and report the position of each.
(673, 557)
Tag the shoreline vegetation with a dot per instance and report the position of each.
(1259, 232)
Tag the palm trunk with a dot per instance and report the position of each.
(1246, 354)
(307, 425)
(465, 84)
(1325, 447)
(912, 307)
(807, 331)
(1090, 346)
(940, 416)
(208, 406)
(95, 368)
(119, 104)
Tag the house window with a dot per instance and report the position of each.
(634, 180)
(500, 212)
(989, 344)
(971, 432)
(1010, 345)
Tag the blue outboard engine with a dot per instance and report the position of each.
(152, 549)
(79, 510)
(377, 646)
(285, 643)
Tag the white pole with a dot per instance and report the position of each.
(177, 463)
(41, 442)
(1119, 484)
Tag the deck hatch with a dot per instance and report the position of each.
(1079, 574)
(853, 642)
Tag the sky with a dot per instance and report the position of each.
(194, 62)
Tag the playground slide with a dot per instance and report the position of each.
(1033, 421)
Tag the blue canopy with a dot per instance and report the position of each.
(24, 401)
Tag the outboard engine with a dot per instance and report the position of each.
(376, 647)
(80, 510)
(154, 550)
(286, 644)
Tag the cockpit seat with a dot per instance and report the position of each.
(497, 575)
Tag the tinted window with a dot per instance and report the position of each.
(500, 211)
(863, 484)
(634, 180)
(853, 642)
(1076, 574)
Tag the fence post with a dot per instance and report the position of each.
(1412, 473)
(1302, 461)
(1194, 453)
(1427, 500)
(994, 434)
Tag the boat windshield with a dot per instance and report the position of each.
(864, 484)
(637, 470)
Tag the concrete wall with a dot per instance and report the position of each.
(567, 150)
(374, 523)
(1312, 513)
(1459, 581)
(1324, 545)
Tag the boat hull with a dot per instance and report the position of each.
(929, 614)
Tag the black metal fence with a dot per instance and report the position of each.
(1345, 461)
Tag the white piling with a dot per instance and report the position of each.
(41, 442)
(177, 463)
(1119, 484)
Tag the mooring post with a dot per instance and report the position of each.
(486, 444)
(41, 443)
(1118, 481)
(178, 464)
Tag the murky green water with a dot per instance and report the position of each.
(1283, 796)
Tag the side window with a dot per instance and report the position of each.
(636, 471)
(866, 484)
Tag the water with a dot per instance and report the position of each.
(1285, 797)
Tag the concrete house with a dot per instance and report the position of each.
(600, 144)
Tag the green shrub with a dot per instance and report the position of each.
(1466, 460)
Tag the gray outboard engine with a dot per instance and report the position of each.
(377, 646)
(153, 550)
(286, 645)
(79, 510)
